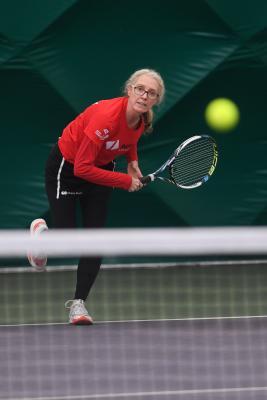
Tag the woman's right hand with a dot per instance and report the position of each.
(136, 185)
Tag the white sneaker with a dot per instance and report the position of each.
(78, 314)
(37, 261)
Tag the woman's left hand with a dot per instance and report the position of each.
(133, 170)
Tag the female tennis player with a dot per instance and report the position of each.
(80, 169)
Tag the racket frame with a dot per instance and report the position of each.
(169, 163)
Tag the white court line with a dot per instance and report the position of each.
(128, 321)
(57, 268)
(146, 394)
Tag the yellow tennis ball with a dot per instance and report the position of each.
(222, 115)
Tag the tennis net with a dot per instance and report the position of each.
(178, 314)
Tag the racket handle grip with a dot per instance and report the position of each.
(147, 179)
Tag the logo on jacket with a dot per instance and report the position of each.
(125, 147)
(112, 145)
(104, 134)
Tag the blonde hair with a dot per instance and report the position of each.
(149, 115)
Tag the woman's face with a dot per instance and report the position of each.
(143, 95)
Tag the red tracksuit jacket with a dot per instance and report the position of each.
(96, 137)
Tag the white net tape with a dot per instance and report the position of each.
(120, 242)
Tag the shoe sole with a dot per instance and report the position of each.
(82, 321)
(35, 224)
(39, 264)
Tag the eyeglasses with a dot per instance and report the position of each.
(140, 91)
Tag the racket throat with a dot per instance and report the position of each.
(152, 177)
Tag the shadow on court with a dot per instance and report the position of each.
(187, 359)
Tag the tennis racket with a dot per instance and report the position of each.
(191, 165)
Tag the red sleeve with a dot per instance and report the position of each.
(84, 167)
(98, 128)
(131, 155)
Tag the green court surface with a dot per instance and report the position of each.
(138, 294)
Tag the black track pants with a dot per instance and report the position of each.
(64, 192)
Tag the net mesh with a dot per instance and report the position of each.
(191, 328)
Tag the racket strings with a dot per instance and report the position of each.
(191, 178)
(197, 163)
(197, 167)
(196, 150)
(198, 155)
(193, 163)
(188, 174)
